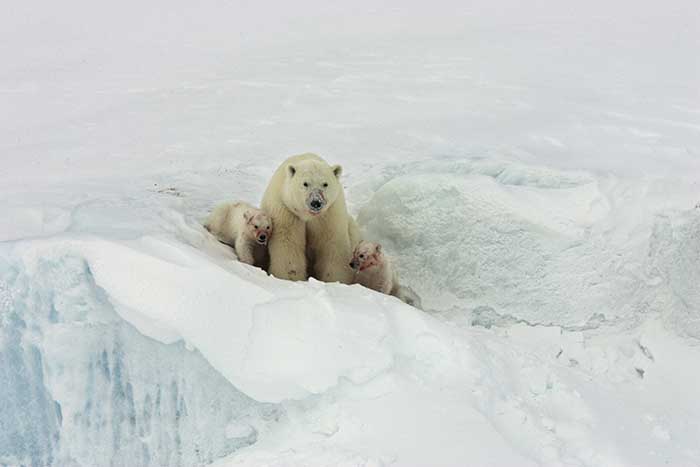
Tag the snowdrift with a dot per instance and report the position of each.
(81, 386)
(160, 349)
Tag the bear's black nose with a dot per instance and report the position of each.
(352, 264)
(262, 237)
(315, 204)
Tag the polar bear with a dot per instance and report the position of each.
(314, 234)
(244, 227)
(374, 270)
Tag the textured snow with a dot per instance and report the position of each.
(539, 245)
(531, 167)
(80, 386)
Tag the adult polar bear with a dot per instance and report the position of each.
(314, 234)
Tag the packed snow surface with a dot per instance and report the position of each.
(532, 168)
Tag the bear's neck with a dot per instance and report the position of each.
(378, 274)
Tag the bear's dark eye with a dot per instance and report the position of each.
(256, 226)
(306, 184)
(325, 185)
(362, 256)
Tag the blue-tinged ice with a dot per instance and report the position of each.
(80, 386)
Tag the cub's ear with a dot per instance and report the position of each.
(291, 170)
(248, 216)
(379, 249)
(337, 170)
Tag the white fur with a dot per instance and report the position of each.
(373, 268)
(381, 278)
(235, 224)
(375, 271)
(305, 244)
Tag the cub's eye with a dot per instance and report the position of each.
(256, 226)
(267, 228)
(325, 185)
(306, 184)
(362, 256)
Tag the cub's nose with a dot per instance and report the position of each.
(263, 237)
(353, 264)
(316, 205)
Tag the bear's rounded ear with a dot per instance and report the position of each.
(379, 248)
(291, 170)
(247, 216)
(337, 170)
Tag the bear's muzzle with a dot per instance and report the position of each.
(316, 202)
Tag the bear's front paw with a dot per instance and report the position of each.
(246, 259)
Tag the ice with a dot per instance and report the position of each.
(675, 263)
(256, 370)
(80, 386)
(517, 238)
(483, 243)
(273, 339)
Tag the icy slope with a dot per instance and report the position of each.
(80, 386)
(274, 340)
(351, 376)
(540, 245)
(567, 371)
(675, 253)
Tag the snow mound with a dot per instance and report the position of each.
(316, 374)
(675, 262)
(80, 386)
(72, 331)
(275, 340)
(480, 240)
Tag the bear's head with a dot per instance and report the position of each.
(311, 187)
(366, 255)
(258, 225)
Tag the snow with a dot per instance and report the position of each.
(80, 386)
(532, 169)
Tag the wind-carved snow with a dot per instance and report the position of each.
(675, 262)
(80, 386)
(511, 240)
(99, 326)
(275, 340)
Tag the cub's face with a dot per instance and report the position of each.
(312, 187)
(366, 255)
(258, 226)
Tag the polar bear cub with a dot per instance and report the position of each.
(373, 269)
(245, 227)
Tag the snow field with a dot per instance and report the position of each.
(532, 168)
